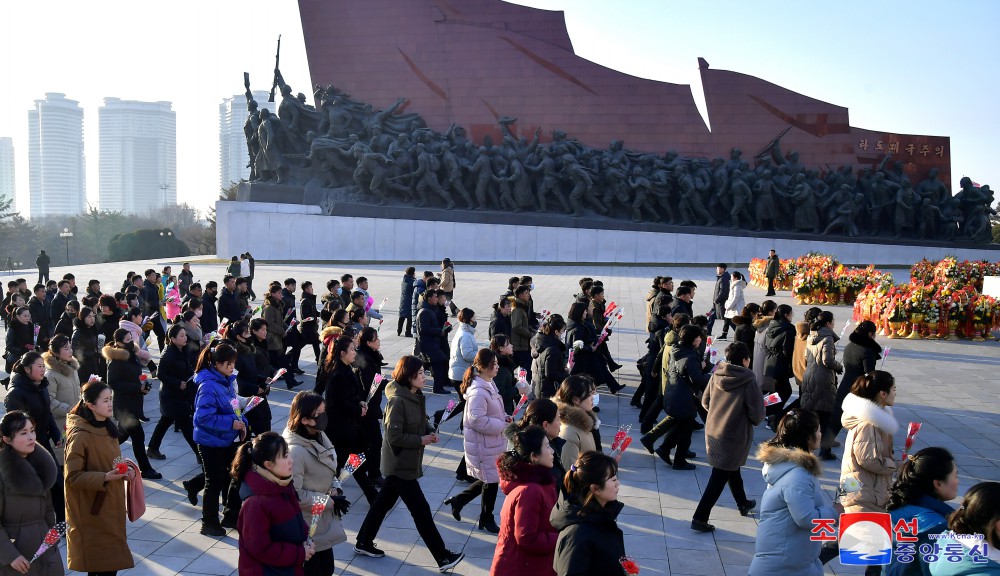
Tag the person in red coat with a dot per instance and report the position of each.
(527, 541)
(274, 538)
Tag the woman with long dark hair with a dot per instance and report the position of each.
(975, 526)
(819, 383)
(544, 413)
(779, 347)
(926, 481)
(483, 422)
(27, 475)
(96, 540)
(368, 364)
(407, 431)
(861, 356)
(219, 426)
(505, 381)
(527, 540)
(347, 401)
(548, 355)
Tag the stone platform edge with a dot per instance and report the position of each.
(301, 233)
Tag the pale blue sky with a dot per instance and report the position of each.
(910, 67)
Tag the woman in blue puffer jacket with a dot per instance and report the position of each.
(219, 427)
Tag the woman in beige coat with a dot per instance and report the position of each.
(868, 454)
(578, 422)
(64, 381)
(95, 491)
(314, 474)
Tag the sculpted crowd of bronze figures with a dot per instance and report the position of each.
(393, 157)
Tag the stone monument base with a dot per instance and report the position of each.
(367, 233)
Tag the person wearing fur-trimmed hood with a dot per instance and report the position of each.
(868, 454)
(792, 500)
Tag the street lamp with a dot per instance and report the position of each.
(66, 235)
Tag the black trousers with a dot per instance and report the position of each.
(57, 490)
(408, 322)
(186, 426)
(784, 389)
(161, 334)
(278, 360)
(523, 359)
(716, 482)
(676, 433)
(488, 491)
(393, 489)
(130, 428)
(43, 277)
(770, 286)
(112, 573)
(321, 564)
(439, 370)
(217, 481)
(652, 405)
(361, 475)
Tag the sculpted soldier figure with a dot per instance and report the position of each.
(847, 214)
(520, 181)
(882, 201)
(764, 208)
(549, 180)
(583, 186)
(426, 175)
(801, 197)
(642, 188)
(506, 199)
(271, 163)
(735, 157)
(370, 173)
(483, 171)
(250, 127)
(742, 199)
(906, 204)
(453, 176)
(662, 188)
(691, 198)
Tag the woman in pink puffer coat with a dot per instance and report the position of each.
(484, 421)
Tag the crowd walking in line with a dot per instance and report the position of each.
(525, 401)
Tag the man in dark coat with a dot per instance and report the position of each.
(428, 333)
(40, 316)
(405, 298)
(42, 262)
(771, 271)
(59, 302)
(719, 296)
(210, 317)
(682, 302)
(228, 307)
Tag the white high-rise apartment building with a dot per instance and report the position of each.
(7, 171)
(138, 155)
(233, 156)
(56, 169)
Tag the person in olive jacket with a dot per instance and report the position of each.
(779, 346)
(347, 403)
(735, 405)
(124, 377)
(590, 543)
(407, 431)
(177, 391)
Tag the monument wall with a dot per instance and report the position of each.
(299, 232)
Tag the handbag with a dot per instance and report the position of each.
(135, 494)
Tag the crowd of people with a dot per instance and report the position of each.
(527, 404)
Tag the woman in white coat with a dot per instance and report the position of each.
(484, 421)
(463, 347)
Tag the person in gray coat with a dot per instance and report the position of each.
(792, 500)
(735, 405)
(819, 384)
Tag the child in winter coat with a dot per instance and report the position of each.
(273, 533)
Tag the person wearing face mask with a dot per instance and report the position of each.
(27, 475)
(218, 428)
(124, 374)
(314, 474)
(177, 392)
(95, 493)
(29, 393)
(348, 404)
(274, 536)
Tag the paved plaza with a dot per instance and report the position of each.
(952, 387)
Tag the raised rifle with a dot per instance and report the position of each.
(274, 84)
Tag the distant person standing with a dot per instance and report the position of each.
(448, 284)
(719, 296)
(234, 267)
(42, 262)
(245, 273)
(184, 279)
(771, 271)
